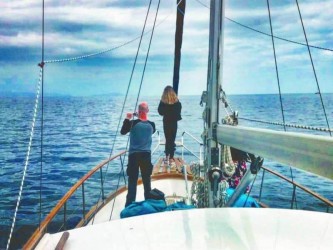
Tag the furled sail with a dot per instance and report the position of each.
(181, 4)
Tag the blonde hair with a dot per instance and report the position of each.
(169, 96)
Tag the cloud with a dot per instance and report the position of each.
(75, 28)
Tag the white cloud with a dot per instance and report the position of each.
(76, 28)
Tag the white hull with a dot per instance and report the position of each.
(211, 228)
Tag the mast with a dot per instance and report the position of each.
(181, 4)
(212, 159)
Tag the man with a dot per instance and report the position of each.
(139, 156)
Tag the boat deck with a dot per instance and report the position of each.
(176, 166)
(168, 178)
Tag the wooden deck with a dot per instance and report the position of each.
(176, 166)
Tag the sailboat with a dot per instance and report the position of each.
(213, 222)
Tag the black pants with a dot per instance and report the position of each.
(138, 160)
(170, 131)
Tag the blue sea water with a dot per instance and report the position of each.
(79, 133)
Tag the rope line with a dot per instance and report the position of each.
(144, 68)
(147, 55)
(288, 125)
(121, 173)
(292, 178)
(92, 54)
(141, 82)
(313, 68)
(27, 158)
(276, 65)
(42, 118)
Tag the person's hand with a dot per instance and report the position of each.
(129, 116)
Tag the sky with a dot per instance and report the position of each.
(78, 28)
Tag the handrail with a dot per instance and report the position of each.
(200, 146)
(41, 230)
(159, 143)
(326, 201)
(187, 133)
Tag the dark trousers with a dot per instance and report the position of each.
(170, 131)
(138, 160)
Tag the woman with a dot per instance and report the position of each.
(170, 108)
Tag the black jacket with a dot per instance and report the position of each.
(170, 112)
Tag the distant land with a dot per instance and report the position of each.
(33, 95)
(30, 94)
(26, 94)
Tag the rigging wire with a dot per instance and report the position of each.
(122, 172)
(313, 68)
(125, 99)
(42, 118)
(248, 194)
(205, 5)
(144, 68)
(27, 157)
(292, 178)
(276, 66)
(263, 33)
(288, 125)
(290, 41)
(109, 49)
(141, 82)
(277, 37)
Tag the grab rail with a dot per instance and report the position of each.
(158, 142)
(39, 232)
(182, 145)
(196, 140)
(295, 184)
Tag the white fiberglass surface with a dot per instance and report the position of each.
(212, 228)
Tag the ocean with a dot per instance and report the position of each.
(79, 133)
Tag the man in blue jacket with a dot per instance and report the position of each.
(141, 131)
